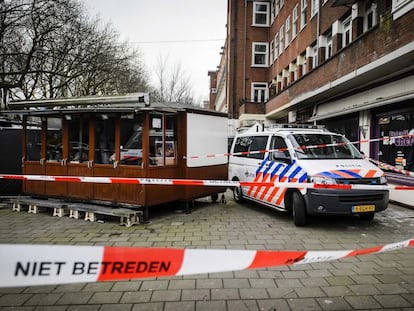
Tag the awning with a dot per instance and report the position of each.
(360, 107)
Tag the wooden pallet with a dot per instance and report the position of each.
(128, 217)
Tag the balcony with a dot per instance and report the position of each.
(250, 107)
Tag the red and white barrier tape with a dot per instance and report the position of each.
(298, 148)
(392, 168)
(27, 265)
(197, 182)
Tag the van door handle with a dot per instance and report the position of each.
(267, 164)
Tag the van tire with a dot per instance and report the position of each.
(298, 209)
(237, 193)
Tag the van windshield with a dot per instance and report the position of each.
(323, 146)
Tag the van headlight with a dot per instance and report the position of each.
(383, 180)
(322, 180)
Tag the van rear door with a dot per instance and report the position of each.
(249, 160)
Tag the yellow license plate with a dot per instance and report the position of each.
(363, 208)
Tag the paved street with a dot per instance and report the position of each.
(370, 282)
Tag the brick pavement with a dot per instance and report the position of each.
(371, 282)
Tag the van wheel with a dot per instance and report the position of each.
(367, 216)
(298, 209)
(238, 194)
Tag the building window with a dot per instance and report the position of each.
(370, 17)
(281, 39)
(304, 65)
(282, 3)
(259, 92)
(314, 7)
(401, 7)
(272, 11)
(314, 52)
(287, 28)
(271, 56)
(260, 54)
(261, 14)
(303, 15)
(347, 35)
(277, 7)
(295, 22)
(276, 45)
(328, 51)
(293, 72)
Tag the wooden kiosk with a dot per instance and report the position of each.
(121, 137)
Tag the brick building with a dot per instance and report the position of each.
(343, 63)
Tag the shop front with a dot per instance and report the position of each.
(395, 127)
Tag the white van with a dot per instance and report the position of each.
(281, 155)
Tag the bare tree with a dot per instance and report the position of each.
(173, 84)
(26, 28)
(51, 49)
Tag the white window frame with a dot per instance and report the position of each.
(271, 52)
(276, 45)
(371, 10)
(295, 22)
(262, 91)
(314, 7)
(281, 39)
(282, 3)
(347, 29)
(329, 46)
(401, 7)
(265, 54)
(303, 13)
(304, 66)
(287, 32)
(256, 12)
(314, 51)
(277, 7)
(272, 11)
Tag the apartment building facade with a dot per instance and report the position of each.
(345, 64)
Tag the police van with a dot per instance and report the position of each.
(305, 154)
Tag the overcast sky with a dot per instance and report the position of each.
(197, 25)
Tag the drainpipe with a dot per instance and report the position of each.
(233, 42)
(318, 21)
(244, 49)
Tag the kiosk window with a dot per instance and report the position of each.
(131, 139)
(54, 149)
(78, 139)
(33, 140)
(163, 141)
(104, 139)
